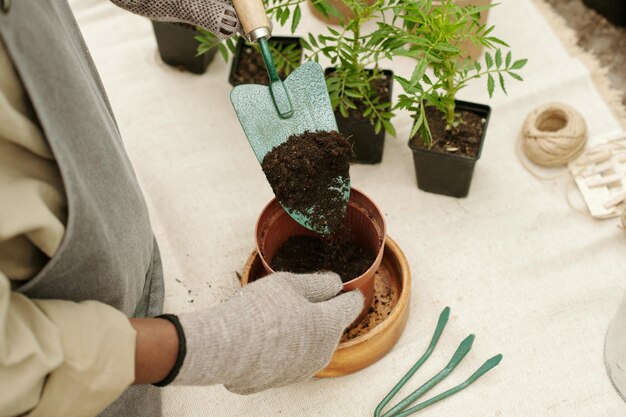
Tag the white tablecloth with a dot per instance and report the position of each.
(533, 279)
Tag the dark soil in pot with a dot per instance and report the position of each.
(447, 166)
(463, 139)
(367, 144)
(178, 47)
(304, 171)
(305, 254)
(248, 66)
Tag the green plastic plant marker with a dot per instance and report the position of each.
(400, 410)
(270, 115)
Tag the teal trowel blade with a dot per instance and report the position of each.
(266, 129)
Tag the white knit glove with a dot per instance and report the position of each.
(216, 16)
(276, 331)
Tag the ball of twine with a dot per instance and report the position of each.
(553, 135)
(624, 219)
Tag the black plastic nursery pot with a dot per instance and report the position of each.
(239, 75)
(367, 144)
(613, 10)
(178, 47)
(446, 173)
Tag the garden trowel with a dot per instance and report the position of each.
(271, 114)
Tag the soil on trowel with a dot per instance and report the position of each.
(306, 173)
(462, 139)
(337, 253)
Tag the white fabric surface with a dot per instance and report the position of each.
(533, 279)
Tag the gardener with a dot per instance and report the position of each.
(78, 257)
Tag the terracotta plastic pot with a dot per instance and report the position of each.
(367, 227)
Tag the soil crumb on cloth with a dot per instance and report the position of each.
(336, 253)
(463, 138)
(305, 174)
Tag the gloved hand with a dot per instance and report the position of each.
(216, 16)
(276, 331)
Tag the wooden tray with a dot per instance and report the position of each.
(372, 338)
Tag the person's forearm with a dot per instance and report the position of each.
(156, 349)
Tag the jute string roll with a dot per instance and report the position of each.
(553, 135)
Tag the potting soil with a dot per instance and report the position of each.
(462, 139)
(251, 68)
(306, 173)
(336, 253)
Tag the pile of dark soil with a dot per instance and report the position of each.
(463, 139)
(306, 173)
(305, 254)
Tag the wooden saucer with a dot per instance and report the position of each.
(369, 340)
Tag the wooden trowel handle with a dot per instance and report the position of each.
(253, 18)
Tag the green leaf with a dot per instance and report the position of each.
(508, 60)
(321, 6)
(352, 94)
(333, 31)
(519, 64)
(230, 43)
(488, 60)
(414, 130)
(419, 71)
(491, 84)
(297, 14)
(418, 123)
(496, 40)
(389, 127)
(378, 126)
(343, 110)
(285, 16)
(477, 66)
(517, 77)
(313, 41)
(305, 44)
(425, 132)
(502, 83)
(498, 58)
(224, 51)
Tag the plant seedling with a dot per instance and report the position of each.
(283, 12)
(431, 35)
(355, 54)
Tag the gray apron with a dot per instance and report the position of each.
(108, 252)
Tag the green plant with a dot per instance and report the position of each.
(431, 35)
(352, 85)
(282, 11)
(286, 56)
